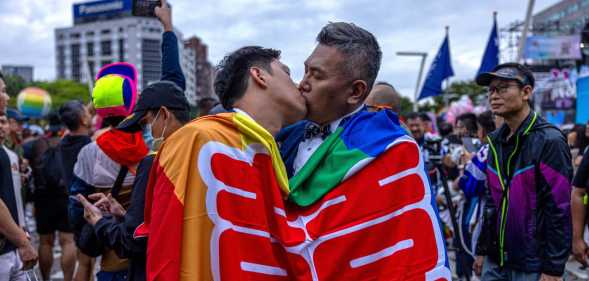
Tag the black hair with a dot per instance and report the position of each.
(582, 141)
(485, 120)
(233, 71)
(413, 115)
(112, 121)
(470, 122)
(424, 117)
(383, 83)
(445, 129)
(71, 114)
(360, 48)
(2, 76)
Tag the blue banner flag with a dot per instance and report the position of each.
(491, 55)
(440, 69)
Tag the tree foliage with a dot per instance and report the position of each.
(454, 92)
(60, 91)
(406, 106)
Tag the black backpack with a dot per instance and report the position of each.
(52, 171)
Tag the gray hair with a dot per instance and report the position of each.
(359, 46)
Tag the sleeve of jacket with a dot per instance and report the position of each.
(171, 69)
(75, 208)
(119, 234)
(554, 190)
(472, 183)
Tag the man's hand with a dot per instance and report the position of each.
(546, 277)
(28, 255)
(91, 213)
(108, 204)
(164, 14)
(580, 251)
(477, 266)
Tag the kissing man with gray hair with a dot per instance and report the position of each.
(358, 172)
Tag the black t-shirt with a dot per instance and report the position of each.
(7, 193)
(582, 177)
(69, 147)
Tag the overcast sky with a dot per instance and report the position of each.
(27, 28)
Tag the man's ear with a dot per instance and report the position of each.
(359, 92)
(528, 92)
(165, 113)
(259, 76)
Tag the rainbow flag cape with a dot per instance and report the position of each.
(217, 208)
(345, 152)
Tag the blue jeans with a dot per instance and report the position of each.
(112, 276)
(492, 272)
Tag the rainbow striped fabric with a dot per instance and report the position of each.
(217, 209)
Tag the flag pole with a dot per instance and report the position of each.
(447, 82)
(498, 46)
(523, 39)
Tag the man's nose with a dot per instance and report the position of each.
(304, 86)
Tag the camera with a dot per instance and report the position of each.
(432, 148)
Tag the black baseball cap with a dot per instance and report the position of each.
(12, 113)
(154, 96)
(507, 71)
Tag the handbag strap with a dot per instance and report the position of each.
(116, 188)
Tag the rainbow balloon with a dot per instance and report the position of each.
(33, 102)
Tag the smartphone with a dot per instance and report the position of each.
(470, 145)
(75, 198)
(145, 8)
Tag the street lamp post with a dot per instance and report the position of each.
(419, 75)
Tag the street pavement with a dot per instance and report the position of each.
(575, 271)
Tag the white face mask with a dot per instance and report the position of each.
(157, 141)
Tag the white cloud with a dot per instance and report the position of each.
(290, 25)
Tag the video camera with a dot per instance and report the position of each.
(432, 148)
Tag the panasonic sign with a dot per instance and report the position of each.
(92, 11)
(100, 8)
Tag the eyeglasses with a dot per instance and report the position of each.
(374, 108)
(501, 88)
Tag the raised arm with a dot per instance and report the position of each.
(171, 69)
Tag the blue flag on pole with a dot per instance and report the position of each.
(491, 56)
(440, 69)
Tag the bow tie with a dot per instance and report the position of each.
(313, 131)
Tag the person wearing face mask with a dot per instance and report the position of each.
(161, 110)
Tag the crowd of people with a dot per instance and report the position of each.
(340, 185)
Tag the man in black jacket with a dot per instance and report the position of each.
(162, 108)
(527, 230)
